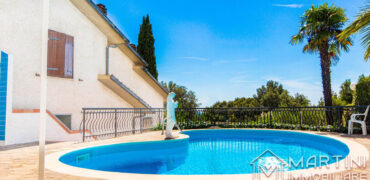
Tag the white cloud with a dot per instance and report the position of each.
(296, 83)
(238, 79)
(312, 90)
(289, 5)
(195, 58)
(234, 61)
(242, 80)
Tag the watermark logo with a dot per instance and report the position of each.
(268, 165)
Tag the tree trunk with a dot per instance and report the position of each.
(326, 81)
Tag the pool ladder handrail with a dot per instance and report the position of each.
(165, 122)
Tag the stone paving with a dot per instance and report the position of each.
(21, 161)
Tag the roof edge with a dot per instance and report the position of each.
(108, 20)
(138, 98)
(155, 80)
(137, 54)
(117, 30)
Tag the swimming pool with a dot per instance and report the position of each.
(211, 152)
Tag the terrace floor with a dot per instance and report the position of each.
(21, 161)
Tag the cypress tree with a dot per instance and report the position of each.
(145, 46)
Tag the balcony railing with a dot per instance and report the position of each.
(100, 123)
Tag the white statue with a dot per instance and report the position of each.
(171, 118)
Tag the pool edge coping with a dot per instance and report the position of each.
(53, 163)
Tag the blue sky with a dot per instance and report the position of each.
(227, 49)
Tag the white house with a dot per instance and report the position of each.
(80, 71)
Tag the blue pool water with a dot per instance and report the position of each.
(212, 152)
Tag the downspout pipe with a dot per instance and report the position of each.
(107, 55)
(107, 60)
(115, 46)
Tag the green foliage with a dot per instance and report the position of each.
(274, 118)
(320, 26)
(363, 91)
(238, 102)
(336, 101)
(185, 97)
(300, 100)
(157, 127)
(145, 46)
(271, 95)
(274, 95)
(346, 93)
(347, 96)
(360, 25)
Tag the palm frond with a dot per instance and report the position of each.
(367, 53)
(359, 25)
(320, 26)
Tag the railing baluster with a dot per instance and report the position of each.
(84, 125)
(133, 123)
(113, 122)
(300, 119)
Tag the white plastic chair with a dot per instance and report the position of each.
(362, 122)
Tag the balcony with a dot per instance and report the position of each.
(123, 91)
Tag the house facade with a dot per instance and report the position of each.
(90, 64)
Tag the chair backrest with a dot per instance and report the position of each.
(366, 112)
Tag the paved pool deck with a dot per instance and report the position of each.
(21, 161)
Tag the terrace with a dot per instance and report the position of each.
(113, 125)
(20, 161)
(121, 125)
(120, 121)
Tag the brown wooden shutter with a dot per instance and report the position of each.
(61, 54)
(58, 54)
(69, 53)
(52, 53)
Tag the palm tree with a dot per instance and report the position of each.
(320, 25)
(360, 25)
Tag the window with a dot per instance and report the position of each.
(60, 55)
(66, 119)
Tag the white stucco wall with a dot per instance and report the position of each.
(89, 61)
(20, 35)
(122, 67)
(24, 128)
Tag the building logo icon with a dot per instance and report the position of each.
(269, 165)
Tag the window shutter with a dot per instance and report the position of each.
(60, 55)
(52, 53)
(68, 61)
